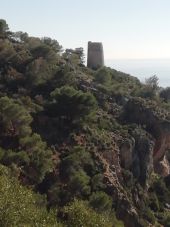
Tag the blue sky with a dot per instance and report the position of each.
(127, 28)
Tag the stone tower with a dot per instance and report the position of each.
(95, 58)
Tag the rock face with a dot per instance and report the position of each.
(126, 153)
(157, 123)
(161, 148)
(95, 57)
(124, 205)
(136, 154)
(142, 165)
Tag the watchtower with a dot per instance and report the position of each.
(95, 57)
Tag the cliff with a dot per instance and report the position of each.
(157, 122)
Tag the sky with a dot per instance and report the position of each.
(128, 29)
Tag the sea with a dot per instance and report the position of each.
(143, 68)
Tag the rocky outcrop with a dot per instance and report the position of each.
(156, 121)
(162, 145)
(124, 207)
(142, 165)
(136, 154)
(109, 160)
(126, 153)
(162, 167)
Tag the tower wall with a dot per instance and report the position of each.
(95, 58)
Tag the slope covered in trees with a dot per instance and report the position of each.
(79, 147)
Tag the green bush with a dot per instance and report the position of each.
(153, 202)
(19, 206)
(166, 221)
(162, 192)
(71, 105)
(79, 183)
(97, 182)
(103, 76)
(78, 214)
(149, 216)
(101, 202)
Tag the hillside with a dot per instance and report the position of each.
(90, 148)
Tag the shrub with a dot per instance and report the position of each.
(149, 216)
(101, 202)
(78, 214)
(19, 206)
(103, 76)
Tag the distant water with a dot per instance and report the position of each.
(144, 68)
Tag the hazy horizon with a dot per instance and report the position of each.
(127, 29)
(143, 68)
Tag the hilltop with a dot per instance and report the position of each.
(85, 147)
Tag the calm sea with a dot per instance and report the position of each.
(144, 68)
